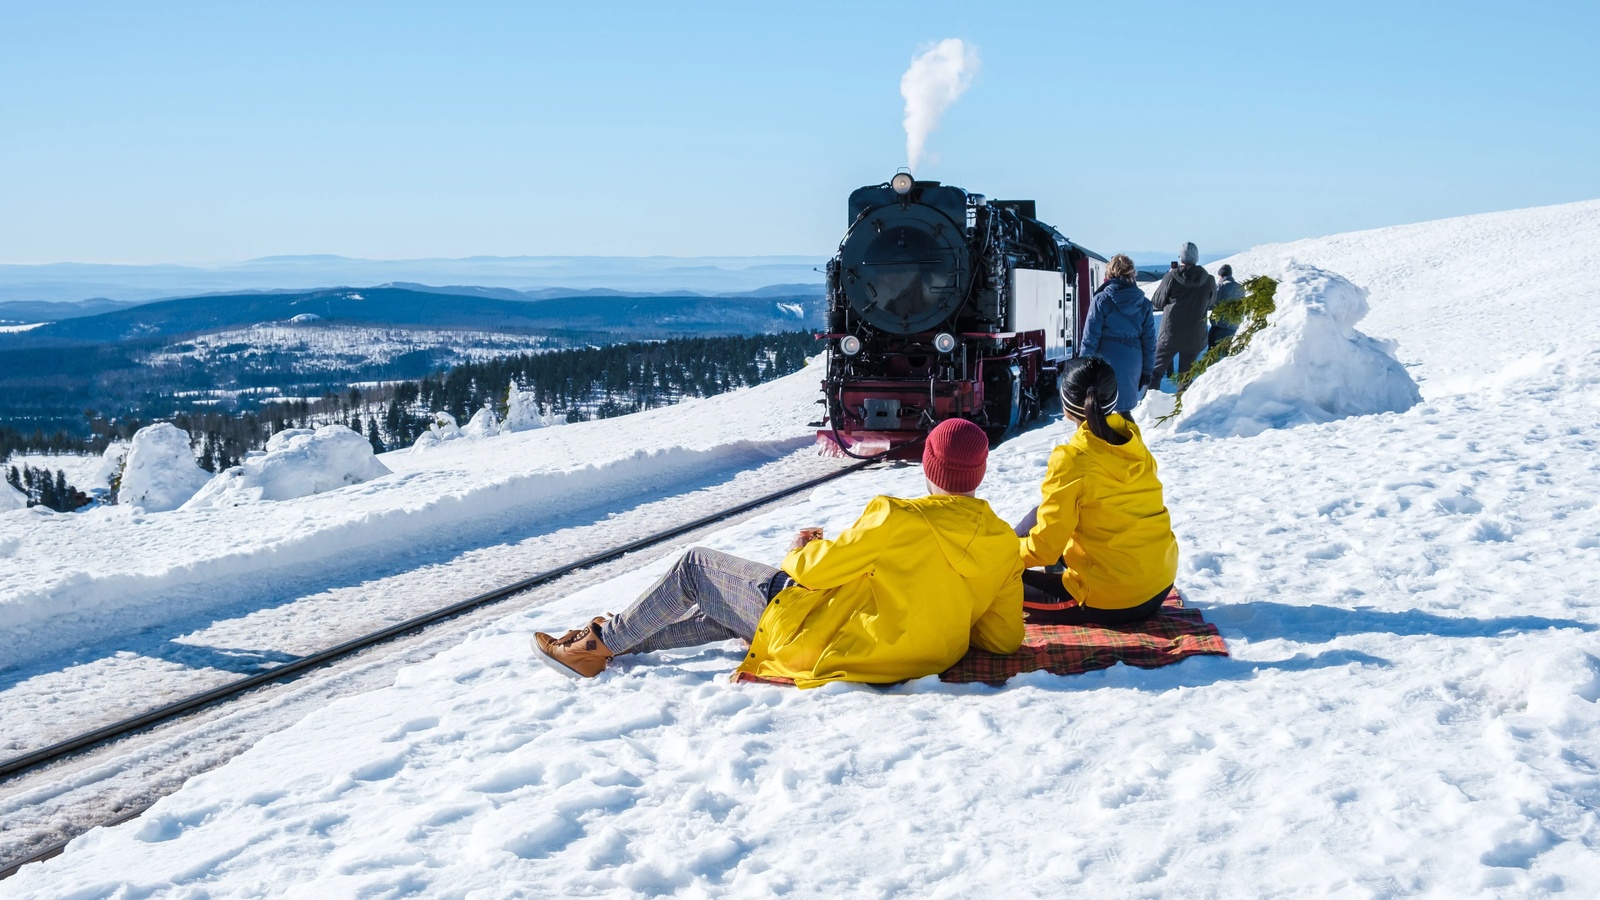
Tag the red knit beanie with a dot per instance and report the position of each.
(955, 455)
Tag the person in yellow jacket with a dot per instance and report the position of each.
(1102, 515)
(900, 594)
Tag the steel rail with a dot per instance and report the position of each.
(61, 749)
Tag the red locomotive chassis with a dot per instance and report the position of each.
(884, 401)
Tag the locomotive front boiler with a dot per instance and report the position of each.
(943, 304)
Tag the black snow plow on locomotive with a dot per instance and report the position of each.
(944, 304)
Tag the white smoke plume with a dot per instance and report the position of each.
(937, 76)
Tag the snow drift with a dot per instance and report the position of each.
(11, 498)
(160, 473)
(1309, 365)
(112, 572)
(1504, 277)
(483, 424)
(298, 462)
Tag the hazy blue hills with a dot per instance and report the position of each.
(38, 311)
(623, 316)
(54, 282)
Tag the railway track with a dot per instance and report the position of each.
(44, 757)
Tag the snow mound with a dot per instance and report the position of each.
(299, 462)
(1308, 366)
(483, 424)
(1501, 278)
(160, 473)
(11, 498)
(78, 578)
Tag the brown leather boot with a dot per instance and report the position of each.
(576, 654)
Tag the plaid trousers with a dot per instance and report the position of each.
(707, 596)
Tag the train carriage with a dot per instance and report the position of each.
(943, 304)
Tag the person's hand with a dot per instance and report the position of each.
(804, 537)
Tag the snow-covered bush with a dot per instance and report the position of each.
(483, 424)
(298, 462)
(522, 410)
(160, 472)
(110, 464)
(1309, 365)
(442, 428)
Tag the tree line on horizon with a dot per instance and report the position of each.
(571, 385)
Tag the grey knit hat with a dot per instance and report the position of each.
(1190, 254)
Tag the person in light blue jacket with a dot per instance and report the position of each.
(1121, 328)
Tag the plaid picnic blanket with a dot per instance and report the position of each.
(1161, 640)
(1177, 633)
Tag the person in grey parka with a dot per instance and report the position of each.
(1227, 289)
(1186, 295)
(1122, 330)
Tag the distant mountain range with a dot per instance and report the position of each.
(22, 311)
(160, 357)
(610, 313)
(1157, 259)
(56, 282)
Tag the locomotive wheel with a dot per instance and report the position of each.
(1048, 393)
(1030, 407)
(997, 406)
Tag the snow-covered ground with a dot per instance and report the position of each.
(66, 580)
(81, 470)
(315, 347)
(1412, 707)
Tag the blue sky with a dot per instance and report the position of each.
(209, 132)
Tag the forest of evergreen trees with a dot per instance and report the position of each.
(602, 382)
(44, 489)
(574, 384)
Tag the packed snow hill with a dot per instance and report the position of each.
(1402, 570)
(182, 542)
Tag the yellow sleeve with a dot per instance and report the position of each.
(827, 564)
(1058, 512)
(999, 629)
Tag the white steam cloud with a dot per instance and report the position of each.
(937, 76)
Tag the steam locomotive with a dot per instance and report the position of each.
(942, 304)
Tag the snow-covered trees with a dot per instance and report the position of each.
(297, 463)
(160, 473)
(522, 410)
(483, 424)
(27, 486)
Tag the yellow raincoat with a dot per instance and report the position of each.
(1102, 510)
(897, 595)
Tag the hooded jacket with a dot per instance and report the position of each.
(1186, 294)
(1122, 330)
(900, 594)
(1103, 512)
(1228, 289)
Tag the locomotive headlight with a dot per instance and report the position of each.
(850, 345)
(943, 342)
(901, 183)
